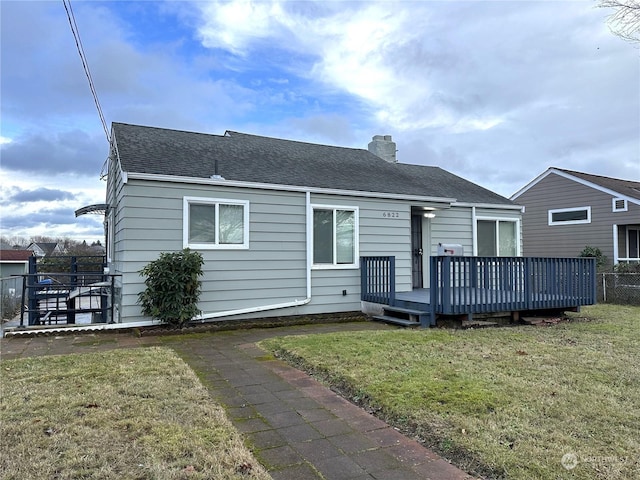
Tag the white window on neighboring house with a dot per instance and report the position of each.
(335, 237)
(210, 223)
(633, 243)
(497, 238)
(570, 216)
(620, 205)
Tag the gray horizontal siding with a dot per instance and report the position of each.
(453, 225)
(271, 271)
(555, 192)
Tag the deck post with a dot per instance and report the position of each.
(113, 297)
(527, 282)
(592, 277)
(392, 281)
(32, 302)
(433, 288)
(73, 284)
(24, 291)
(364, 288)
(446, 285)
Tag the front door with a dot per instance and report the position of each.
(416, 251)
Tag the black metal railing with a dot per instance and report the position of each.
(67, 289)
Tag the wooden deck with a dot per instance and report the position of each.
(472, 285)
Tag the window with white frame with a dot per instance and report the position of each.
(335, 236)
(570, 216)
(211, 223)
(497, 238)
(620, 205)
(633, 242)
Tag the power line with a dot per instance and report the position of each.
(85, 65)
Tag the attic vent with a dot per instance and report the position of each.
(619, 205)
(383, 147)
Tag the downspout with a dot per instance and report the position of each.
(276, 306)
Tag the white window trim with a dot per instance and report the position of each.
(570, 222)
(627, 241)
(497, 219)
(214, 201)
(623, 209)
(356, 240)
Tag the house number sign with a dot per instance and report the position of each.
(391, 214)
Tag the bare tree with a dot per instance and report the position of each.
(625, 20)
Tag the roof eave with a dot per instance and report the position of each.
(292, 188)
(576, 179)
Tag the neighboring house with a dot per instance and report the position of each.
(45, 249)
(14, 262)
(282, 224)
(566, 211)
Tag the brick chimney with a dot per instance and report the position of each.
(383, 147)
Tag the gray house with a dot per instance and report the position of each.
(14, 262)
(281, 224)
(565, 211)
(45, 249)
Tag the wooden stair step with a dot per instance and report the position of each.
(396, 320)
(408, 311)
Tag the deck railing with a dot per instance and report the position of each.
(493, 284)
(463, 285)
(378, 279)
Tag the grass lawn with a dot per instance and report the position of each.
(516, 402)
(124, 414)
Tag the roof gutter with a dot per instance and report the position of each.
(489, 205)
(276, 306)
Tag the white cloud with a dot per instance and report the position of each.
(235, 25)
(355, 49)
(493, 91)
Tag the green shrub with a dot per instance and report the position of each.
(601, 260)
(173, 287)
(627, 268)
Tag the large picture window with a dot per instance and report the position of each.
(215, 223)
(335, 236)
(497, 238)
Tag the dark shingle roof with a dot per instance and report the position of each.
(627, 188)
(252, 158)
(46, 247)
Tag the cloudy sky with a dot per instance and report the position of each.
(494, 91)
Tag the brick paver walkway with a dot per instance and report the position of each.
(296, 427)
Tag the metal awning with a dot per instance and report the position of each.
(98, 208)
